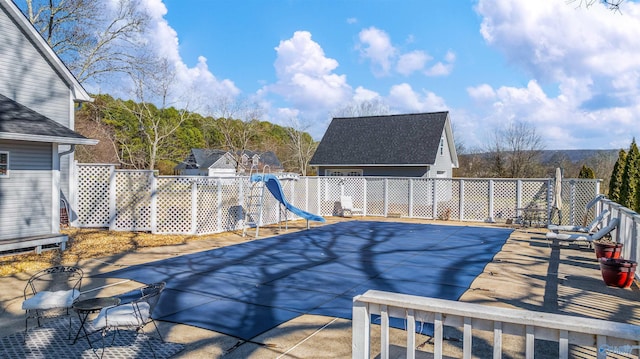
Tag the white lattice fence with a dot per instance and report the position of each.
(447, 199)
(138, 200)
(504, 202)
(209, 215)
(93, 204)
(422, 198)
(397, 196)
(133, 195)
(174, 205)
(476, 200)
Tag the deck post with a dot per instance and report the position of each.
(361, 326)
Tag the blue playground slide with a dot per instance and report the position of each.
(273, 184)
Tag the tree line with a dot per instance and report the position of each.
(624, 186)
(138, 135)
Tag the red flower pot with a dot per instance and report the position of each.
(607, 249)
(617, 272)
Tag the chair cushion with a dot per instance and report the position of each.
(123, 315)
(50, 300)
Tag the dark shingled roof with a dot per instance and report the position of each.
(411, 139)
(17, 119)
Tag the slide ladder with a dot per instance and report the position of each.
(254, 201)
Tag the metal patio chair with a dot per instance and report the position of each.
(134, 315)
(51, 292)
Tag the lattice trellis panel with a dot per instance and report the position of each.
(375, 196)
(422, 198)
(504, 201)
(398, 196)
(232, 212)
(354, 187)
(476, 200)
(535, 193)
(313, 191)
(174, 205)
(93, 195)
(329, 188)
(133, 199)
(208, 218)
(447, 195)
(576, 194)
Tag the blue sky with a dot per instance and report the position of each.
(572, 72)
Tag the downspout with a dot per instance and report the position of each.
(72, 148)
(69, 151)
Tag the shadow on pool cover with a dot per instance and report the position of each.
(246, 289)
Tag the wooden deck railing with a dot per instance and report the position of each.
(605, 336)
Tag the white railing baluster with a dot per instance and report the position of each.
(438, 336)
(361, 330)
(530, 340)
(411, 334)
(467, 339)
(497, 340)
(384, 332)
(563, 345)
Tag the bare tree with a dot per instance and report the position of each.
(93, 37)
(237, 121)
(156, 118)
(301, 146)
(515, 151)
(613, 5)
(374, 107)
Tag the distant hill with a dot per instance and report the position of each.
(576, 156)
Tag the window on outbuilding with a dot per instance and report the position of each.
(441, 145)
(4, 164)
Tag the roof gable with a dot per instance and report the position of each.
(18, 122)
(410, 139)
(78, 92)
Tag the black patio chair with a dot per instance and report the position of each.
(51, 292)
(134, 315)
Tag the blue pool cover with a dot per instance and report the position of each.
(246, 289)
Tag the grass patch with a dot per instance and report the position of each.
(89, 243)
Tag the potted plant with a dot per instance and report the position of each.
(606, 248)
(617, 272)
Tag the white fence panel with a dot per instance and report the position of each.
(139, 200)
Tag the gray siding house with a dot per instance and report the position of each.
(410, 145)
(220, 163)
(38, 96)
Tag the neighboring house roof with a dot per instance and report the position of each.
(396, 140)
(18, 122)
(203, 158)
(267, 158)
(78, 92)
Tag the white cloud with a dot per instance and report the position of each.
(375, 45)
(162, 39)
(404, 99)
(352, 20)
(483, 92)
(588, 53)
(361, 94)
(305, 75)
(411, 62)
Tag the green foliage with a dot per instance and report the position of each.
(134, 130)
(616, 177)
(586, 172)
(628, 195)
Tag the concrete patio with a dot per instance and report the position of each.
(529, 273)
